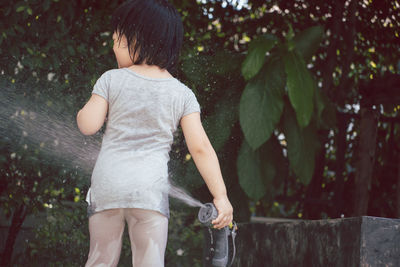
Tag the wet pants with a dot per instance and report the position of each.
(148, 232)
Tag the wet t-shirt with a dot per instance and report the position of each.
(131, 170)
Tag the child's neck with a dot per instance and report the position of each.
(151, 71)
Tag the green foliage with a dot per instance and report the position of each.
(260, 170)
(250, 175)
(261, 103)
(308, 41)
(256, 55)
(274, 166)
(302, 145)
(261, 107)
(62, 239)
(301, 87)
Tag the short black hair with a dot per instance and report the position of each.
(153, 29)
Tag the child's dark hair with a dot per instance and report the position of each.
(153, 29)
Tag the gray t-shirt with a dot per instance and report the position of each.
(131, 170)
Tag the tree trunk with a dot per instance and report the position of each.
(398, 187)
(340, 165)
(16, 223)
(366, 159)
(312, 202)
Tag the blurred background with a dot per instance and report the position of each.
(300, 100)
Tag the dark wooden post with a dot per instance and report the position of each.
(341, 144)
(366, 159)
(398, 186)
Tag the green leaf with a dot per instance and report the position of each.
(218, 126)
(289, 36)
(302, 144)
(256, 55)
(273, 165)
(261, 103)
(307, 42)
(301, 87)
(30, 51)
(249, 172)
(20, 8)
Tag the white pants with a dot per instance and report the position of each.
(148, 231)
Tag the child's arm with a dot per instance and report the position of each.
(207, 163)
(92, 116)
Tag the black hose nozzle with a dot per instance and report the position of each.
(217, 244)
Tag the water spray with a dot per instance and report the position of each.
(219, 250)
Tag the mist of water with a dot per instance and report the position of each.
(45, 123)
(182, 195)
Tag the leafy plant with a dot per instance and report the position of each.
(280, 97)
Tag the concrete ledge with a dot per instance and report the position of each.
(359, 241)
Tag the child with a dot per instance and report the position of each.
(145, 105)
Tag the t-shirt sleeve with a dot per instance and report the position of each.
(102, 86)
(190, 103)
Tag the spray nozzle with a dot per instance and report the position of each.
(207, 213)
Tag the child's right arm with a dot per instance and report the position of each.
(207, 163)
